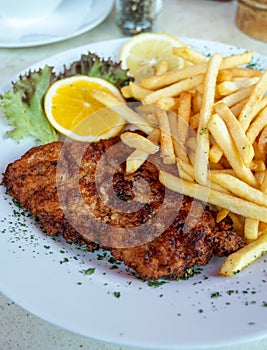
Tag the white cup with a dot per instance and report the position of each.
(27, 10)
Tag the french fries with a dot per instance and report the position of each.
(162, 67)
(137, 158)
(251, 229)
(227, 87)
(189, 54)
(209, 119)
(167, 149)
(174, 89)
(180, 128)
(259, 123)
(203, 140)
(139, 142)
(115, 104)
(135, 90)
(252, 107)
(159, 81)
(221, 134)
(222, 213)
(240, 188)
(237, 261)
(204, 193)
(242, 143)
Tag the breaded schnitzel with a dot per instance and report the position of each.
(81, 190)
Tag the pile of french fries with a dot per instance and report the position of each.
(209, 119)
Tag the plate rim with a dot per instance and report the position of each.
(78, 50)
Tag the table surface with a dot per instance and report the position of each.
(210, 20)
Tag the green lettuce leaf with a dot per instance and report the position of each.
(95, 66)
(23, 107)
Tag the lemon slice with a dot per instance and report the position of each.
(142, 53)
(73, 112)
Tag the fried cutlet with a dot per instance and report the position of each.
(81, 190)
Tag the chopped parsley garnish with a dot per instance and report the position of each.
(90, 271)
(188, 273)
(65, 260)
(156, 284)
(117, 294)
(203, 131)
(216, 295)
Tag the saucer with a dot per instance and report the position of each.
(70, 19)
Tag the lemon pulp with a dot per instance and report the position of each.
(72, 110)
(142, 53)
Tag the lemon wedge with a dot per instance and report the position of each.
(75, 113)
(142, 53)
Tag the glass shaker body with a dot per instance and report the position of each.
(135, 16)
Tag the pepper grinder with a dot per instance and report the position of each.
(135, 16)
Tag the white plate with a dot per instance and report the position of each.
(45, 276)
(71, 18)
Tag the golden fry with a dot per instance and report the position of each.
(162, 67)
(222, 137)
(251, 228)
(140, 142)
(238, 96)
(252, 107)
(224, 75)
(157, 82)
(179, 149)
(221, 200)
(203, 143)
(262, 227)
(245, 72)
(191, 143)
(194, 121)
(122, 109)
(237, 108)
(257, 165)
(189, 54)
(138, 157)
(262, 143)
(174, 89)
(222, 213)
(167, 103)
(228, 87)
(166, 150)
(134, 90)
(135, 160)
(138, 92)
(238, 222)
(215, 153)
(236, 60)
(187, 168)
(263, 187)
(126, 91)
(240, 188)
(243, 145)
(184, 111)
(222, 171)
(197, 102)
(237, 261)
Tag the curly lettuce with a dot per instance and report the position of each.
(23, 107)
(94, 66)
